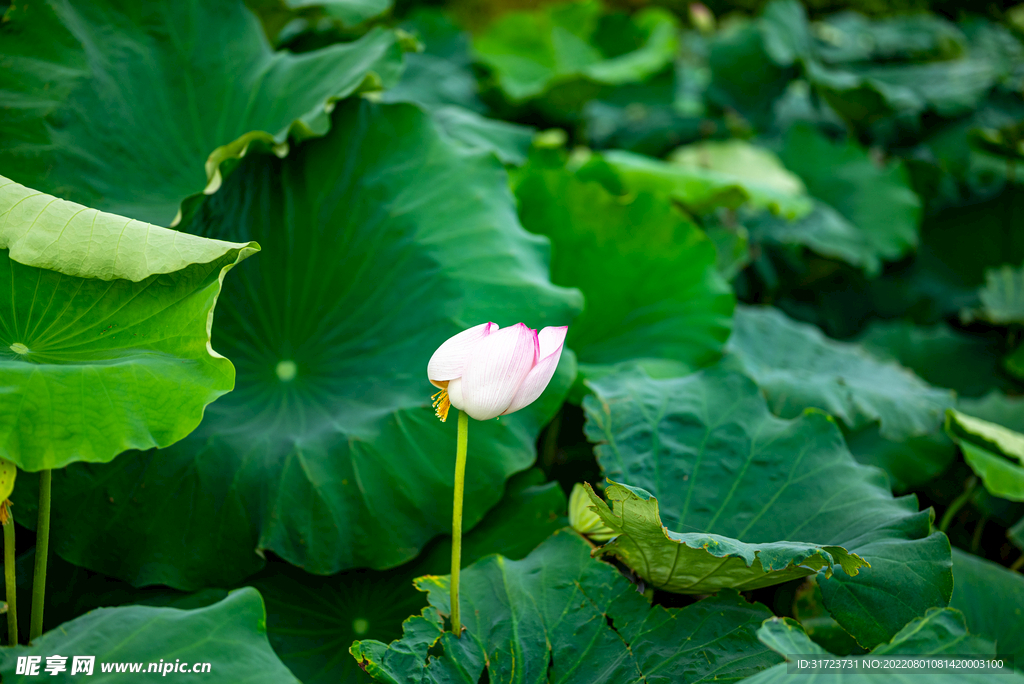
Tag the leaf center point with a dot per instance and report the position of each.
(19, 348)
(286, 370)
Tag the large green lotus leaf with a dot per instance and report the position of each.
(387, 241)
(653, 295)
(939, 633)
(230, 635)
(991, 597)
(312, 621)
(705, 176)
(994, 453)
(560, 616)
(697, 563)
(824, 231)
(720, 464)
(878, 201)
(132, 107)
(104, 330)
(798, 367)
(531, 52)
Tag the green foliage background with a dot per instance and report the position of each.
(787, 239)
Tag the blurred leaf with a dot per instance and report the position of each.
(348, 12)
(721, 464)
(878, 201)
(230, 635)
(559, 615)
(939, 632)
(744, 78)
(941, 355)
(104, 331)
(648, 117)
(119, 105)
(824, 231)
(798, 367)
(531, 52)
(696, 563)
(991, 597)
(509, 142)
(1002, 298)
(442, 73)
(990, 450)
(850, 37)
(648, 274)
(386, 240)
(706, 176)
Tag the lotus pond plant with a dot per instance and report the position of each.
(767, 397)
(485, 372)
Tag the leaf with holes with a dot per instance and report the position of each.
(696, 563)
(105, 336)
(387, 240)
(559, 615)
(720, 464)
(133, 107)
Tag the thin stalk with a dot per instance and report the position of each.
(958, 503)
(978, 530)
(460, 481)
(10, 582)
(1018, 564)
(42, 547)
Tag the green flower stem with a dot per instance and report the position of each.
(460, 481)
(10, 582)
(957, 504)
(42, 547)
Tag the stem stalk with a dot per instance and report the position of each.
(10, 582)
(460, 481)
(42, 548)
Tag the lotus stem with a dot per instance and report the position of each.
(10, 581)
(978, 530)
(957, 504)
(42, 546)
(460, 481)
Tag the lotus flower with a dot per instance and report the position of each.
(488, 372)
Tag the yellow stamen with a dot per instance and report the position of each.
(441, 405)
(5, 513)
